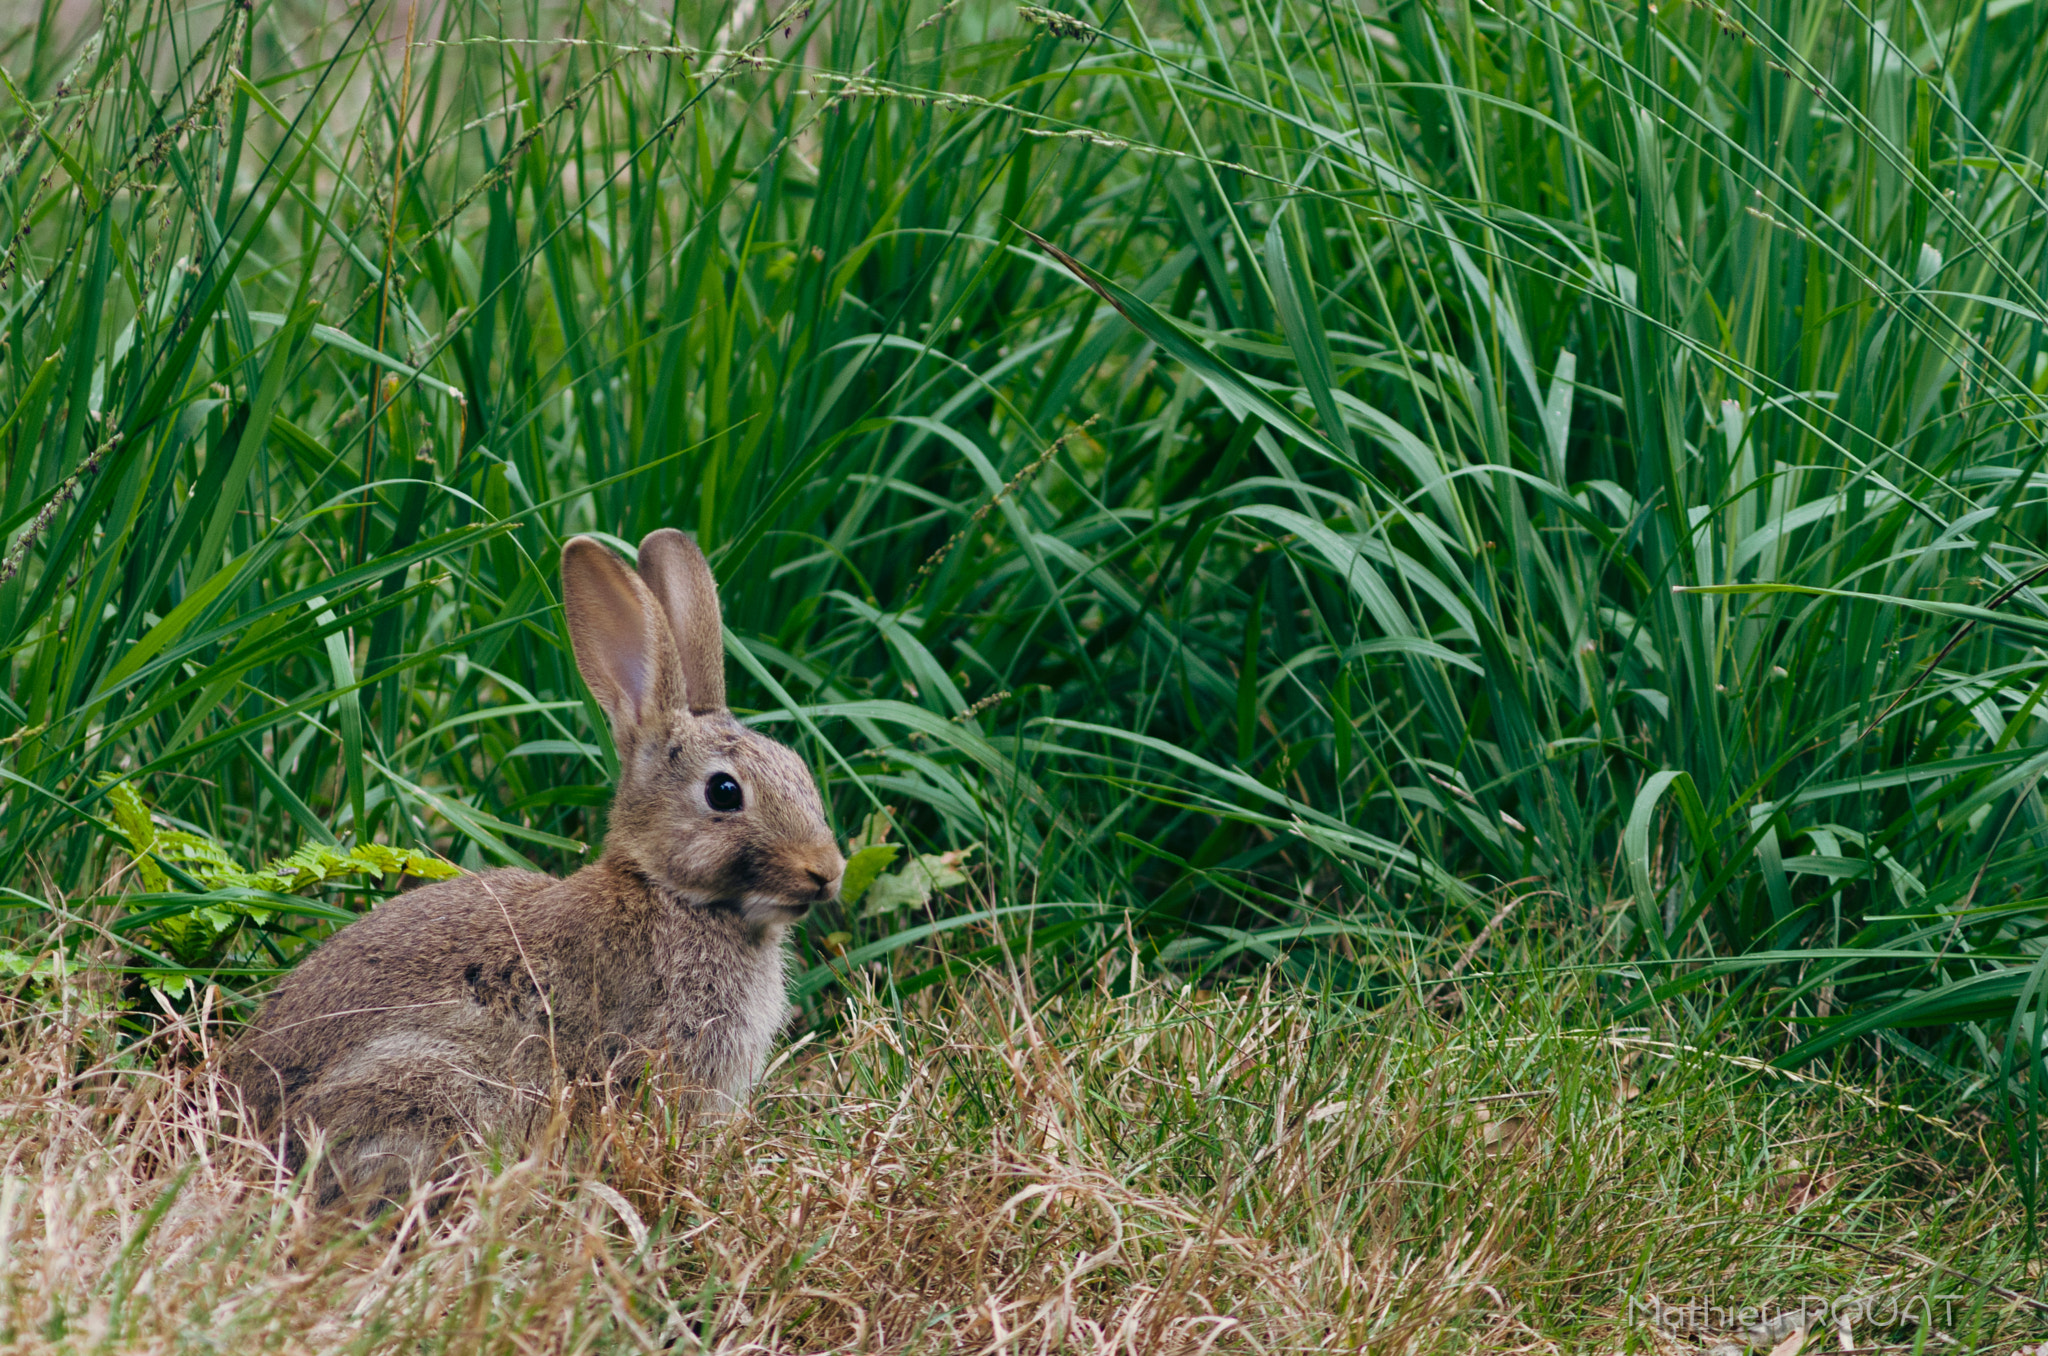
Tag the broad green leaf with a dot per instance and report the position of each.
(863, 867)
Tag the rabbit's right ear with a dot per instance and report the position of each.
(622, 642)
(679, 577)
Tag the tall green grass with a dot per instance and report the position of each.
(1577, 451)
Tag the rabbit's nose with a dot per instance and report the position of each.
(821, 884)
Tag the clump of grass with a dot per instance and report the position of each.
(1113, 1168)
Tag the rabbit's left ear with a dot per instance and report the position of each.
(621, 639)
(679, 577)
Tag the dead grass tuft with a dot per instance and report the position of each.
(983, 1170)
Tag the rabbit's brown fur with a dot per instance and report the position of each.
(456, 1011)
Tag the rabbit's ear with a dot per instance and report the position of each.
(680, 579)
(623, 647)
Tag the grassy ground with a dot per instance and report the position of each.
(1260, 482)
(1109, 1168)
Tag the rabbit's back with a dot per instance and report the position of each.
(460, 1009)
(408, 972)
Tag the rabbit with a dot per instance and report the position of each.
(455, 1011)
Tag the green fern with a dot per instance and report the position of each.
(193, 936)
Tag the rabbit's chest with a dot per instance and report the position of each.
(722, 1000)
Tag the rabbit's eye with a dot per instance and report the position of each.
(722, 792)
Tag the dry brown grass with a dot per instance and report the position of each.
(982, 1170)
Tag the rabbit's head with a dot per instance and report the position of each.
(714, 814)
